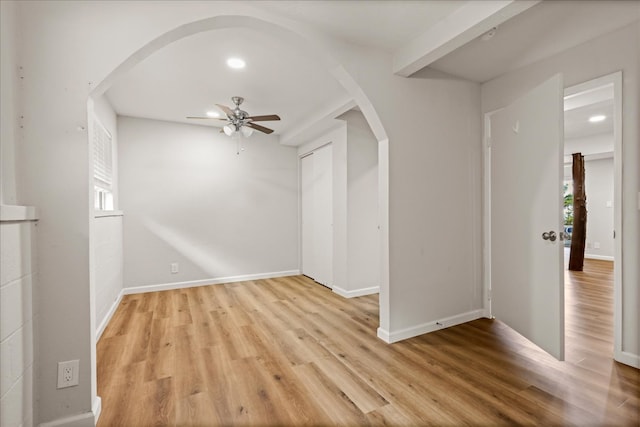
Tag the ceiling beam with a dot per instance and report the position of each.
(463, 25)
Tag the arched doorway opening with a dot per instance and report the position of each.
(332, 66)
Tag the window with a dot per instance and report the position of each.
(102, 168)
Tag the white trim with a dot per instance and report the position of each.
(425, 328)
(384, 316)
(18, 213)
(628, 359)
(357, 292)
(96, 408)
(486, 212)
(87, 419)
(600, 257)
(383, 334)
(105, 321)
(204, 282)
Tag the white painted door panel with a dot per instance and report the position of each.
(323, 161)
(316, 181)
(527, 277)
(307, 208)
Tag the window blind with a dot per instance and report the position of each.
(102, 156)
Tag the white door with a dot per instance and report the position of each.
(323, 169)
(316, 182)
(527, 277)
(307, 208)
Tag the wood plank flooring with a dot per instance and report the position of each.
(290, 352)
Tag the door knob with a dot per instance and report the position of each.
(549, 235)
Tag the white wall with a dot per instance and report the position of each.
(616, 51)
(432, 124)
(599, 180)
(591, 145)
(109, 276)
(107, 234)
(599, 187)
(363, 240)
(8, 103)
(434, 204)
(18, 318)
(18, 314)
(190, 199)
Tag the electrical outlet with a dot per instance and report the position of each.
(174, 267)
(68, 373)
(596, 245)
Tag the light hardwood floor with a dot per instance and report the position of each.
(290, 352)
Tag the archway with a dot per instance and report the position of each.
(308, 43)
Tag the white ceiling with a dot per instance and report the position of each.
(189, 76)
(539, 32)
(577, 125)
(582, 136)
(387, 25)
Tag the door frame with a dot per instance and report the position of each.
(616, 80)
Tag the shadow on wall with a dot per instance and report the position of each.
(210, 263)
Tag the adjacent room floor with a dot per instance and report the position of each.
(289, 352)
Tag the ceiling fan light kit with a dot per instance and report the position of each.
(240, 121)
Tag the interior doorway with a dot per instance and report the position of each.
(593, 88)
(592, 127)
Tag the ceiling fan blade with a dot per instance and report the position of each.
(208, 118)
(264, 118)
(260, 128)
(228, 111)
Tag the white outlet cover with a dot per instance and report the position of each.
(64, 369)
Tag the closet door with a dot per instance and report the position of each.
(316, 177)
(323, 218)
(307, 208)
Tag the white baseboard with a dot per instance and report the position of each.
(383, 334)
(87, 419)
(600, 257)
(628, 359)
(103, 324)
(356, 292)
(96, 408)
(414, 331)
(204, 282)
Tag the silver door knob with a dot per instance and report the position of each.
(549, 235)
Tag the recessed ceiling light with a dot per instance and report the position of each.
(213, 114)
(598, 118)
(236, 63)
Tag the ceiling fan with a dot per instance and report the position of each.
(240, 121)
